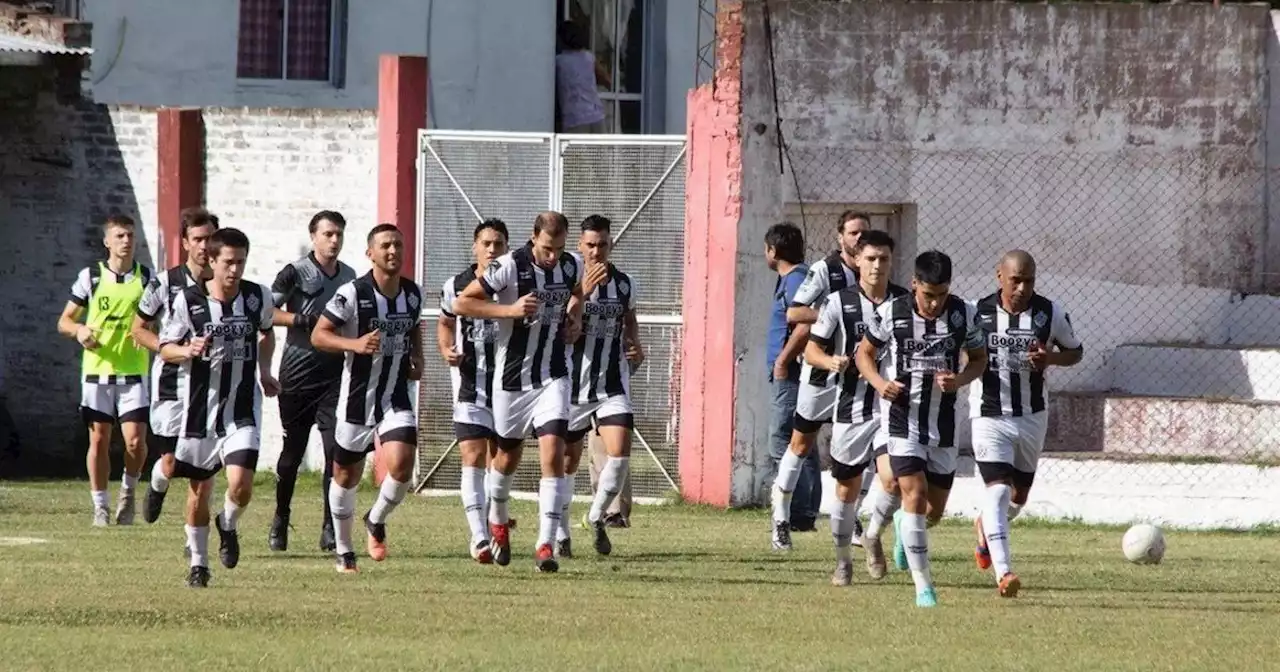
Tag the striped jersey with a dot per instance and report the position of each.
(373, 385)
(302, 287)
(1010, 386)
(219, 389)
(600, 367)
(826, 277)
(914, 349)
(156, 306)
(474, 339)
(839, 329)
(531, 351)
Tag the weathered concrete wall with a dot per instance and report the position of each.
(1123, 145)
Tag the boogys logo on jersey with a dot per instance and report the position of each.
(610, 310)
(929, 345)
(1013, 339)
(392, 325)
(553, 297)
(229, 328)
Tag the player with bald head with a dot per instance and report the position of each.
(1025, 334)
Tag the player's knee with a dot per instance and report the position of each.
(571, 460)
(474, 453)
(933, 517)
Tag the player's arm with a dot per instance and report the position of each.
(1067, 349)
(975, 350)
(801, 309)
(415, 352)
(446, 327)
(177, 344)
(867, 356)
(799, 335)
(285, 284)
(340, 310)
(143, 327)
(474, 301)
(69, 321)
(820, 336)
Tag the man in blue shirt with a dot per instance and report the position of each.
(784, 252)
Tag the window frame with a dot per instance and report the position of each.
(645, 96)
(338, 15)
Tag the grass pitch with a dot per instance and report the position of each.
(686, 588)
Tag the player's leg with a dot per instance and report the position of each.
(993, 453)
(551, 425)
(814, 407)
(199, 492)
(786, 463)
(398, 434)
(909, 461)
(239, 451)
(133, 408)
(580, 417)
(616, 424)
(512, 421)
(884, 499)
(161, 473)
(98, 410)
(353, 443)
(473, 429)
(851, 452)
(297, 415)
(326, 422)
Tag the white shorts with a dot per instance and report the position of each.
(166, 418)
(472, 421)
(854, 445)
(940, 461)
(1016, 441)
(580, 415)
(517, 414)
(815, 406)
(357, 440)
(240, 447)
(109, 402)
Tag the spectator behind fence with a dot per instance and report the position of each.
(578, 73)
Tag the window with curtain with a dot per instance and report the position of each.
(617, 40)
(286, 40)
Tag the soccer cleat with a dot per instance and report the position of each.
(857, 533)
(843, 575)
(781, 536)
(616, 520)
(198, 578)
(377, 539)
(125, 508)
(1010, 585)
(327, 541)
(564, 548)
(501, 543)
(278, 536)
(347, 564)
(601, 529)
(899, 549)
(101, 517)
(482, 553)
(545, 559)
(876, 565)
(927, 598)
(152, 502)
(981, 554)
(229, 544)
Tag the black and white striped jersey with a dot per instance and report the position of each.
(531, 351)
(1010, 386)
(826, 277)
(474, 339)
(600, 368)
(374, 385)
(914, 349)
(156, 305)
(219, 389)
(839, 329)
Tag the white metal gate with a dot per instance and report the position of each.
(636, 181)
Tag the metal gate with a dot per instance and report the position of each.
(636, 181)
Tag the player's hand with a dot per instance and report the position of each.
(525, 306)
(451, 357)
(571, 330)
(84, 335)
(197, 346)
(594, 277)
(369, 343)
(946, 381)
(635, 355)
(270, 386)
(1038, 356)
(838, 364)
(415, 368)
(891, 390)
(780, 369)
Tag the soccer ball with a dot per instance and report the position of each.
(1143, 544)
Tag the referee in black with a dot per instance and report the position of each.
(309, 379)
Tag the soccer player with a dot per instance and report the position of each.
(539, 305)
(1025, 334)
(845, 317)
(196, 225)
(467, 346)
(923, 337)
(374, 321)
(603, 358)
(309, 378)
(221, 336)
(816, 395)
(113, 367)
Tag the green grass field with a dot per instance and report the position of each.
(686, 588)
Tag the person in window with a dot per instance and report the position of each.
(578, 74)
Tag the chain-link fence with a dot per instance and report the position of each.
(638, 182)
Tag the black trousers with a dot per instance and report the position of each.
(299, 411)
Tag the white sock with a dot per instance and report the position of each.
(548, 509)
(484, 495)
(883, 506)
(611, 479)
(565, 494)
(389, 497)
(499, 494)
(230, 512)
(129, 481)
(842, 519)
(473, 502)
(995, 525)
(784, 484)
(198, 542)
(99, 499)
(1014, 510)
(915, 538)
(159, 482)
(868, 476)
(342, 505)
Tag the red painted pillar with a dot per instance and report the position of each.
(180, 171)
(713, 206)
(402, 111)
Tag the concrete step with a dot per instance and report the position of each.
(1221, 372)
